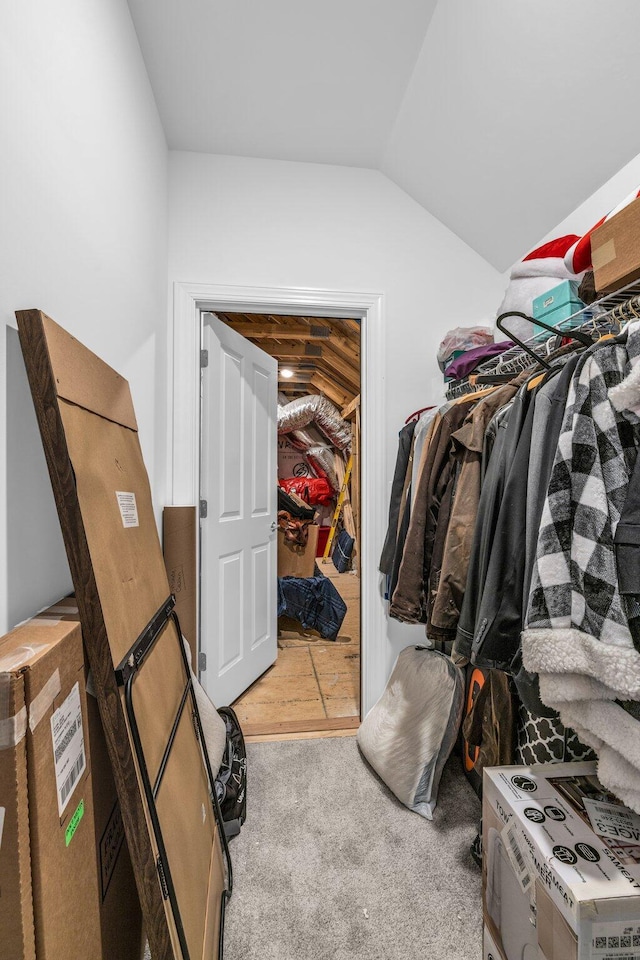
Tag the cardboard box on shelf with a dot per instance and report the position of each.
(66, 883)
(615, 249)
(561, 865)
(297, 561)
(179, 528)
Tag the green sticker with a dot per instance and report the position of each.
(74, 822)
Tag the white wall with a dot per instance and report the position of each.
(599, 203)
(83, 237)
(501, 129)
(277, 224)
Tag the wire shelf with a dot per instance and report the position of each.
(606, 315)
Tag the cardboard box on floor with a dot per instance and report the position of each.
(561, 866)
(294, 560)
(67, 890)
(615, 249)
(179, 526)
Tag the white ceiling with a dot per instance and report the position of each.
(498, 116)
(284, 79)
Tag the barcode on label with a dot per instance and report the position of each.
(516, 857)
(76, 770)
(64, 743)
(615, 940)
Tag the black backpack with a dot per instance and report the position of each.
(231, 782)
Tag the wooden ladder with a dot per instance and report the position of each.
(338, 510)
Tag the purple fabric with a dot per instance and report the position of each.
(470, 359)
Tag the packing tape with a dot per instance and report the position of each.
(16, 659)
(43, 621)
(13, 729)
(43, 701)
(38, 622)
(602, 256)
(63, 608)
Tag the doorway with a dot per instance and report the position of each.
(312, 681)
(190, 300)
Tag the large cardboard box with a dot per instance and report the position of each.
(615, 249)
(561, 865)
(66, 883)
(297, 561)
(179, 527)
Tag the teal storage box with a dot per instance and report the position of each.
(555, 305)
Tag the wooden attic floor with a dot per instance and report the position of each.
(313, 681)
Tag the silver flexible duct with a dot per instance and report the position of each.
(319, 456)
(318, 410)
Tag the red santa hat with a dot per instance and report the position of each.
(549, 260)
(578, 256)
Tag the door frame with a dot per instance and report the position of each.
(189, 301)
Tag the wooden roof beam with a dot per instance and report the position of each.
(256, 331)
(299, 376)
(331, 390)
(284, 351)
(350, 409)
(333, 364)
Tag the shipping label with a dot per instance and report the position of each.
(69, 756)
(128, 508)
(615, 940)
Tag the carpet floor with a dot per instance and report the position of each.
(329, 866)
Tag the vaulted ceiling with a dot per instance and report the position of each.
(498, 116)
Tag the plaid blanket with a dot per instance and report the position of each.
(577, 635)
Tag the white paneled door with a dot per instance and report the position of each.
(238, 481)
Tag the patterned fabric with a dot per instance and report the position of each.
(577, 636)
(314, 602)
(546, 740)
(576, 621)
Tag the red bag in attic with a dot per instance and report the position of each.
(316, 491)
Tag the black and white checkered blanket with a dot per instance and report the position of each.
(577, 635)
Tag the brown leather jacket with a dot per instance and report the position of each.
(456, 528)
(409, 599)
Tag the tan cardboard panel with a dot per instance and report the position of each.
(84, 378)
(156, 696)
(104, 502)
(179, 544)
(189, 830)
(217, 884)
(16, 901)
(59, 867)
(615, 247)
(127, 561)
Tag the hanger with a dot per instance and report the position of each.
(572, 334)
(417, 414)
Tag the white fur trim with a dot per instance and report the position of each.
(570, 651)
(553, 267)
(614, 770)
(618, 775)
(568, 687)
(568, 259)
(608, 722)
(626, 396)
